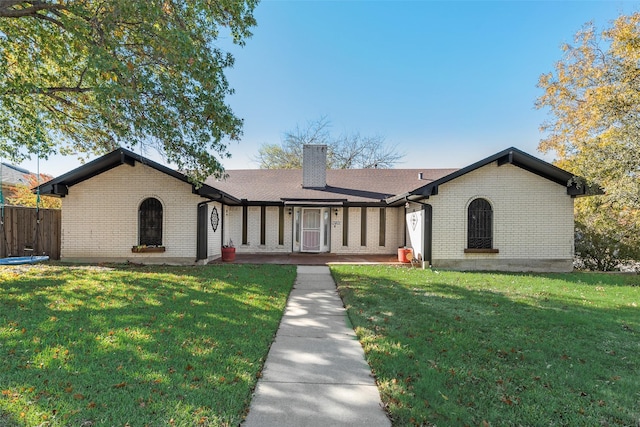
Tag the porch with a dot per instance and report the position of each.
(297, 258)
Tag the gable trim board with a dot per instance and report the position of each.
(264, 211)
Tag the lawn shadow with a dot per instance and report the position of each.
(7, 420)
(135, 344)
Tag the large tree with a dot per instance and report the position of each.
(88, 76)
(594, 100)
(346, 151)
(593, 97)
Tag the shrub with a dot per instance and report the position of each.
(606, 236)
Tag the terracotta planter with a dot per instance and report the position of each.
(402, 254)
(228, 254)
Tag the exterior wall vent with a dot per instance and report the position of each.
(314, 166)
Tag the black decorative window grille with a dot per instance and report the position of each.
(150, 222)
(480, 225)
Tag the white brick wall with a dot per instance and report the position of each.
(253, 227)
(232, 225)
(233, 229)
(393, 231)
(100, 215)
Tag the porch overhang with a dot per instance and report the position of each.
(314, 202)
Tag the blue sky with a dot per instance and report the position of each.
(447, 83)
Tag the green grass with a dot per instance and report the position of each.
(490, 349)
(176, 346)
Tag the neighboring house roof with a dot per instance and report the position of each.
(60, 186)
(512, 156)
(13, 175)
(344, 186)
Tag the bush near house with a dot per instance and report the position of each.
(599, 250)
(607, 235)
(492, 349)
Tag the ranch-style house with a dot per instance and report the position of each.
(510, 211)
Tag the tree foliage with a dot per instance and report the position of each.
(22, 195)
(348, 151)
(89, 76)
(593, 97)
(594, 100)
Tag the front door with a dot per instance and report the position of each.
(311, 229)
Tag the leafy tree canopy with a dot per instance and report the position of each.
(352, 151)
(88, 76)
(593, 97)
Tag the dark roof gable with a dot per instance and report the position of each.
(511, 156)
(60, 185)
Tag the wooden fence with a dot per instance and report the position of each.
(17, 235)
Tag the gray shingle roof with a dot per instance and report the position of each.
(343, 185)
(13, 175)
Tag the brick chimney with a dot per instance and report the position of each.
(314, 166)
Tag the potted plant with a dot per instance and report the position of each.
(145, 248)
(402, 254)
(228, 251)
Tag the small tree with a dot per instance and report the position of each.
(22, 195)
(347, 151)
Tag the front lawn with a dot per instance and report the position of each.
(490, 349)
(174, 346)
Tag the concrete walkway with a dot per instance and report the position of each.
(315, 373)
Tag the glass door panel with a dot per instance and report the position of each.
(311, 230)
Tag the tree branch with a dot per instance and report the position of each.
(77, 89)
(59, 99)
(31, 8)
(51, 92)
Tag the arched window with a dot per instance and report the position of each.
(150, 222)
(480, 225)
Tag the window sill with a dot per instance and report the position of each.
(481, 251)
(147, 249)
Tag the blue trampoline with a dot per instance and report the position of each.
(23, 260)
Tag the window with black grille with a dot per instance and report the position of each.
(150, 222)
(480, 225)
